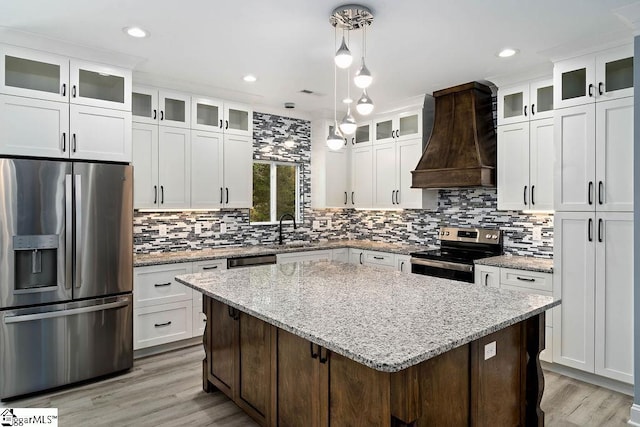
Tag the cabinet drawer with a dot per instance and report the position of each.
(304, 256)
(380, 259)
(199, 322)
(526, 279)
(162, 324)
(155, 285)
(209, 266)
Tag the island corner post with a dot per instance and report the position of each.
(281, 379)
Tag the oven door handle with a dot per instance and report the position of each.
(442, 264)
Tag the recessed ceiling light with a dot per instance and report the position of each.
(507, 52)
(136, 32)
(249, 78)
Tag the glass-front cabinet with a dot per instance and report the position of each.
(363, 135)
(100, 85)
(398, 127)
(207, 114)
(238, 119)
(174, 109)
(385, 129)
(591, 78)
(144, 105)
(526, 101)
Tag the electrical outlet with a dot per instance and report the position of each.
(162, 229)
(409, 227)
(223, 227)
(197, 229)
(537, 234)
(316, 224)
(489, 350)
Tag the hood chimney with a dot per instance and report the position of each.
(461, 151)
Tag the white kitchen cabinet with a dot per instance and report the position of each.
(98, 85)
(380, 259)
(594, 266)
(238, 171)
(525, 165)
(199, 319)
(341, 255)
(99, 134)
(145, 161)
(486, 275)
(525, 102)
(207, 114)
(330, 179)
(144, 105)
(594, 157)
(585, 79)
(174, 164)
(206, 169)
(162, 107)
(320, 255)
(361, 177)
(397, 127)
(363, 135)
(384, 175)
(403, 263)
(162, 324)
(356, 256)
(20, 137)
(155, 285)
(238, 120)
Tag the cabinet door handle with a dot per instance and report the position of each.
(162, 194)
(393, 200)
(590, 191)
(158, 325)
(525, 111)
(524, 195)
(402, 266)
(378, 257)
(226, 124)
(360, 257)
(590, 231)
(600, 192)
(64, 142)
(600, 91)
(533, 109)
(353, 141)
(227, 193)
(397, 197)
(533, 202)
(600, 230)
(486, 279)
(73, 91)
(525, 279)
(161, 115)
(155, 114)
(314, 355)
(221, 194)
(353, 202)
(64, 89)
(74, 143)
(590, 89)
(346, 198)
(161, 285)
(155, 194)
(326, 354)
(212, 267)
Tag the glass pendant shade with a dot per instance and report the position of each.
(348, 124)
(334, 140)
(343, 56)
(365, 104)
(363, 77)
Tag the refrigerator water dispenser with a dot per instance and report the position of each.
(36, 263)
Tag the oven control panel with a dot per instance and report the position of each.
(471, 235)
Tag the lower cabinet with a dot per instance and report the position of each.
(341, 255)
(304, 256)
(380, 259)
(486, 275)
(403, 263)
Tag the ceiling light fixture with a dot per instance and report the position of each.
(249, 78)
(335, 141)
(136, 32)
(507, 52)
(351, 17)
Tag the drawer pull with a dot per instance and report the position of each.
(378, 257)
(158, 325)
(213, 267)
(524, 279)
(160, 285)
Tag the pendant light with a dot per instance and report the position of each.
(363, 76)
(343, 56)
(335, 141)
(348, 124)
(364, 105)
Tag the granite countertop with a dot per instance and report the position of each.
(240, 251)
(384, 319)
(542, 265)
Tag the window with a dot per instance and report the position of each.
(275, 191)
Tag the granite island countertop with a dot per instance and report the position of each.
(542, 265)
(384, 319)
(140, 260)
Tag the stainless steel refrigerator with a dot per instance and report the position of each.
(66, 273)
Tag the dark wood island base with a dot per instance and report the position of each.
(280, 379)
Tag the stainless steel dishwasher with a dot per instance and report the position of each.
(249, 261)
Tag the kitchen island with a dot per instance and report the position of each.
(331, 343)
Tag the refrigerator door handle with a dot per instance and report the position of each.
(78, 251)
(64, 313)
(68, 213)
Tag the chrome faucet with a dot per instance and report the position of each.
(284, 215)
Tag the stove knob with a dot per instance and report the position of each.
(446, 233)
(488, 236)
(494, 237)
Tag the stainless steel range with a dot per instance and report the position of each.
(459, 247)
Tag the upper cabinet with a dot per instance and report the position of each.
(158, 106)
(56, 107)
(590, 78)
(524, 102)
(398, 127)
(330, 179)
(238, 119)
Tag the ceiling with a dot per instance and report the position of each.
(414, 46)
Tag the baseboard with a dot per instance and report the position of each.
(150, 351)
(587, 377)
(634, 415)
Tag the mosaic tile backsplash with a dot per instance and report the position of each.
(456, 207)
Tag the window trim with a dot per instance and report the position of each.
(273, 192)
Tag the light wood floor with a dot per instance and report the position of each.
(166, 390)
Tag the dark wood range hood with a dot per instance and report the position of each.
(461, 151)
